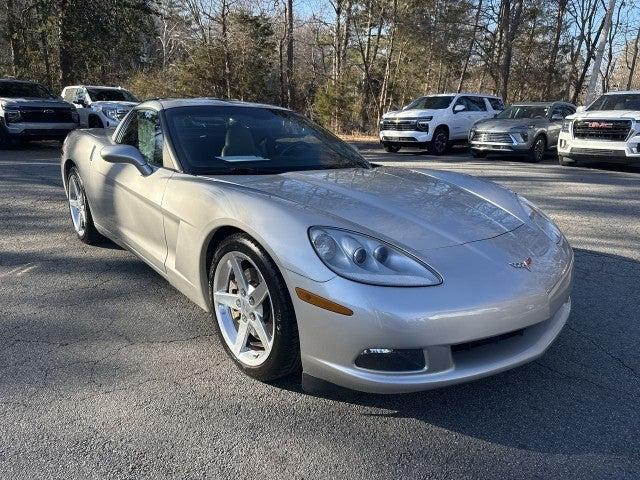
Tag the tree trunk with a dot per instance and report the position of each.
(634, 60)
(65, 35)
(289, 37)
(472, 42)
(562, 5)
(595, 73)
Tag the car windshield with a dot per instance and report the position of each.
(524, 111)
(430, 103)
(23, 90)
(111, 95)
(620, 101)
(218, 140)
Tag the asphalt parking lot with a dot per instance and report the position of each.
(107, 372)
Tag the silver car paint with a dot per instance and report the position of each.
(537, 126)
(467, 229)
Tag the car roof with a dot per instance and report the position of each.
(540, 104)
(168, 103)
(452, 94)
(94, 86)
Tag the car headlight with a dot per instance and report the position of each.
(423, 123)
(541, 220)
(365, 259)
(566, 125)
(112, 113)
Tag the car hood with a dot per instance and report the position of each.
(412, 113)
(501, 124)
(613, 114)
(408, 207)
(106, 104)
(34, 102)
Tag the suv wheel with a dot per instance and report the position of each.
(538, 149)
(440, 142)
(392, 148)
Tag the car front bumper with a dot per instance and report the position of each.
(464, 336)
(599, 151)
(39, 130)
(511, 146)
(405, 137)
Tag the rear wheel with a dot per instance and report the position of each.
(79, 209)
(538, 149)
(253, 312)
(440, 142)
(392, 148)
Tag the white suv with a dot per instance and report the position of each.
(436, 121)
(100, 107)
(608, 130)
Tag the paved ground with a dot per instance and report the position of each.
(107, 372)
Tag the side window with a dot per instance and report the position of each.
(496, 103)
(461, 101)
(143, 131)
(475, 104)
(568, 110)
(558, 110)
(69, 94)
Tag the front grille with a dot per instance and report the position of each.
(46, 115)
(492, 137)
(599, 152)
(398, 139)
(608, 130)
(405, 124)
(462, 347)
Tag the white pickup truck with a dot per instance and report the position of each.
(608, 130)
(436, 121)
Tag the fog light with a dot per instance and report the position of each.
(392, 360)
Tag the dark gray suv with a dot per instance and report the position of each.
(529, 129)
(30, 111)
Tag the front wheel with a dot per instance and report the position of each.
(440, 142)
(79, 209)
(253, 312)
(538, 149)
(392, 148)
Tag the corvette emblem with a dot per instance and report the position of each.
(526, 263)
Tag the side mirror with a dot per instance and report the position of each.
(580, 109)
(556, 117)
(80, 101)
(126, 154)
(459, 108)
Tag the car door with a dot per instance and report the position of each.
(130, 203)
(462, 120)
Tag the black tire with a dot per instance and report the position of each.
(478, 153)
(538, 149)
(392, 148)
(284, 357)
(439, 143)
(95, 122)
(566, 162)
(89, 234)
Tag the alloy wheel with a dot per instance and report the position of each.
(243, 308)
(440, 143)
(77, 205)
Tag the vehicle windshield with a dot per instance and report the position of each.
(24, 90)
(620, 101)
(430, 103)
(524, 111)
(111, 95)
(219, 140)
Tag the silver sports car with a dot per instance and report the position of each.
(312, 259)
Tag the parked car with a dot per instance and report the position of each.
(98, 106)
(608, 130)
(374, 278)
(436, 121)
(29, 111)
(529, 129)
